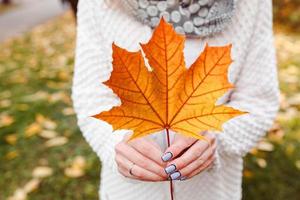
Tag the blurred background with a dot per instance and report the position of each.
(42, 153)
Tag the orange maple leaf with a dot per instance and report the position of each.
(170, 96)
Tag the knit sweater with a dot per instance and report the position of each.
(256, 90)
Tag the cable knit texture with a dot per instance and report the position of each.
(253, 73)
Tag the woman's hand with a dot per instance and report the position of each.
(191, 156)
(140, 159)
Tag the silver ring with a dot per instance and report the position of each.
(130, 169)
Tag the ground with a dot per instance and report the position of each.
(43, 155)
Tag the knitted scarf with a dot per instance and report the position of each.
(196, 18)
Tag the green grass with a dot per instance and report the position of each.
(279, 180)
(37, 71)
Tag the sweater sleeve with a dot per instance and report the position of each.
(99, 23)
(256, 89)
(89, 95)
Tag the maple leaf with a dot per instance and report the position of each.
(169, 96)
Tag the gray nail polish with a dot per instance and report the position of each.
(169, 169)
(167, 156)
(175, 175)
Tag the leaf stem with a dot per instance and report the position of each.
(171, 183)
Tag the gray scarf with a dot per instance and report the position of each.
(191, 17)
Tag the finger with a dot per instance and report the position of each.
(211, 137)
(124, 166)
(135, 157)
(123, 162)
(148, 149)
(199, 162)
(193, 156)
(137, 172)
(180, 144)
(205, 166)
(125, 173)
(146, 175)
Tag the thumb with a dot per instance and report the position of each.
(180, 143)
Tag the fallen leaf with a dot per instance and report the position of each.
(45, 122)
(170, 96)
(48, 134)
(276, 136)
(262, 163)
(5, 103)
(59, 96)
(6, 120)
(247, 173)
(77, 168)
(254, 151)
(11, 139)
(32, 185)
(287, 115)
(42, 172)
(275, 127)
(33, 129)
(38, 96)
(63, 75)
(287, 45)
(294, 100)
(73, 172)
(19, 194)
(283, 101)
(12, 155)
(288, 78)
(57, 141)
(68, 111)
(40, 118)
(265, 146)
(79, 162)
(293, 70)
(49, 124)
(55, 97)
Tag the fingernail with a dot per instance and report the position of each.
(169, 169)
(167, 156)
(183, 178)
(175, 175)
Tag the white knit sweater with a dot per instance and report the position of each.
(253, 73)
